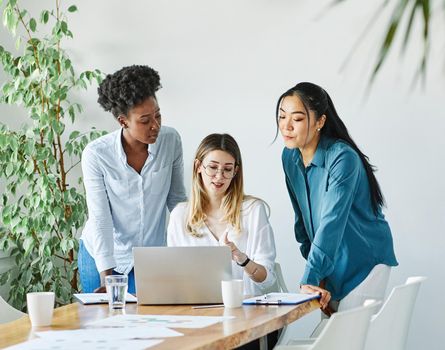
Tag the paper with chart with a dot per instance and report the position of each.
(110, 333)
(85, 344)
(170, 321)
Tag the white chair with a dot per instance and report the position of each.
(345, 330)
(389, 327)
(280, 280)
(8, 313)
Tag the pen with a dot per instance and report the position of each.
(207, 306)
(266, 302)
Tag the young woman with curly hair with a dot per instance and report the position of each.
(131, 177)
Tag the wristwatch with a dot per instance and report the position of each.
(244, 263)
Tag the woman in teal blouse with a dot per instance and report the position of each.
(337, 201)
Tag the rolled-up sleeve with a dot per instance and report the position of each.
(176, 193)
(99, 213)
(336, 206)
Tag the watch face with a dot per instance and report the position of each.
(244, 263)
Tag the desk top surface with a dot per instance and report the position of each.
(250, 322)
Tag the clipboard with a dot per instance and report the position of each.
(280, 299)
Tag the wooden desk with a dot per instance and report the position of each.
(250, 322)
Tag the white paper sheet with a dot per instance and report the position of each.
(110, 333)
(171, 321)
(96, 344)
(100, 298)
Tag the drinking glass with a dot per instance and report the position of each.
(117, 286)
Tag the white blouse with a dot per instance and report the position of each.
(255, 239)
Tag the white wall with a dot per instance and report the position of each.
(223, 64)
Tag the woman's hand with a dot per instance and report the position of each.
(325, 295)
(237, 255)
(102, 288)
(255, 271)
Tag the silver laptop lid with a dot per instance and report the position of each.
(181, 275)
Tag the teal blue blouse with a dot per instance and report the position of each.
(341, 237)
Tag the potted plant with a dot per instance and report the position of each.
(41, 209)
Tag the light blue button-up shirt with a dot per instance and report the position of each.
(341, 237)
(127, 209)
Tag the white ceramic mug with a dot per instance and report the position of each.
(40, 308)
(232, 293)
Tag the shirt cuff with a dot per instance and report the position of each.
(310, 277)
(104, 263)
(269, 281)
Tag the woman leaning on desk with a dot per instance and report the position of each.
(337, 201)
(131, 176)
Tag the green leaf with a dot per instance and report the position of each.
(11, 20)
(28, 244)
(5, 277)
(47, 251)
(72, 8)
(58, 212)
(9, 170)
(3, 140)
(74, 134)
(6, 14)
(32, 24)
(18, 42)
(64, 27)
(44, 16)
(30, 167)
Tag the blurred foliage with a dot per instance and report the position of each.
(402, 19)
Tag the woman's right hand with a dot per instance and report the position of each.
(325, 295)
(102, 288)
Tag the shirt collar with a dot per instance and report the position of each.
(151, 149)
(118, 145)
(320, 153)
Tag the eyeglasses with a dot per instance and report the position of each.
(211, 170)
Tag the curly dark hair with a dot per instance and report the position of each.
(126, 88)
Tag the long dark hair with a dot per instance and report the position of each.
(316, 99)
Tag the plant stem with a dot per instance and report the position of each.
(72, 166)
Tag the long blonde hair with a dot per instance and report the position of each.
(234, 196)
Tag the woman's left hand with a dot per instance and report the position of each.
(237, 255)
(325, 296)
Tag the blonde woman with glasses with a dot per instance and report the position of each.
(219, 213)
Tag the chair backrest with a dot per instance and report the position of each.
(8, 313)
(346, 330)
(389, 327)
(280, 279)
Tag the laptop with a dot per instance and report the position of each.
(181, 275)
